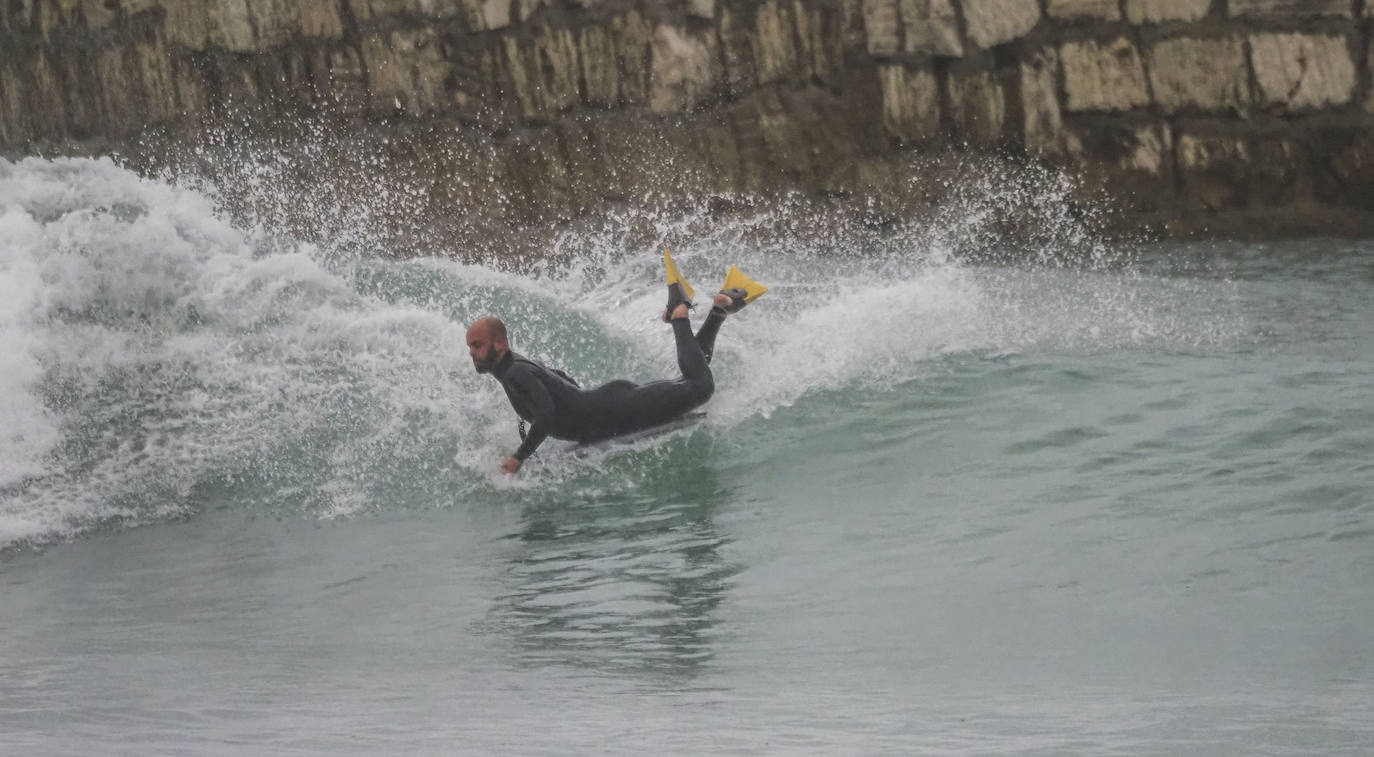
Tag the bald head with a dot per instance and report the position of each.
(487, 343)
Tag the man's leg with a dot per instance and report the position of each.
(692, 361)
(624, 407)
(706, 335)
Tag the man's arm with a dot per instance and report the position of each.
(541, 406)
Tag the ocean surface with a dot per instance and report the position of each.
(1066, 498)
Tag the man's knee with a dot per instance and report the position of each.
(703, 387)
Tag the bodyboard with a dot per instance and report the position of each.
(583, 449)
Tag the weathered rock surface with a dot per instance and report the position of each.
(702, 8)
(1041, 123)
(1260, 108)
(1159, 11)
(1291, 8)
(1301, 71)
(883, 26)
(1208, 74)
(683, 70)
(406, 70)
(1103, 76)
(932, 27)
(1132, 161)
(995, 22)
(774, 51)
(1229, 171)
(1100, 10)
(977, 108)
(911, 103)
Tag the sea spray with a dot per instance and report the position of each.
(170, 352)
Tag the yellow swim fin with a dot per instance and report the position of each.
(675, 278)
(742, 289)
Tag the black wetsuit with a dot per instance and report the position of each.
(554, 405)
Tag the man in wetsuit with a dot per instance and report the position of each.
(554, 405)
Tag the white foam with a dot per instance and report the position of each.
(156, 352)
(28, 430)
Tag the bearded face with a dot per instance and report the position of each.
(484, 356)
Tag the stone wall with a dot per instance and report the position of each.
(1184, 115)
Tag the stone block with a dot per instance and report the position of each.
(763, 136)
(529, 7)
(52, 17)
(774, 54)
(1302, 71)
(320, 18)
(1160, 11)
(93, 12)
(821, 32)
(47, 109)
(1129, 161)
(1141, 148)
(231, 26)
(114, 91)
(781, 125)
(1346, 167)
(718, 145)
(187, 26)
(79, 93)
(384, 8)
(995, 22)
(277, 21)
(1041, 122)
(911, 103)
(596, 50)
(1074, 10)
(1103, 76)
(631, 34)
(192, 98)
(495, 14)
(406, 68)
(347, 78)
(810, 53)
(702, 9)
(882, 25)
(97, 14)
(737, 42)
(559, 69)
(978, 108)
(1234, 171)
(830, 132)
(932, 27)
(683, 70)
(157, 83)
(522, 68)
(1290, 8)
(1208, 74)
(441, 9)
(468, 11)
(1369, 66)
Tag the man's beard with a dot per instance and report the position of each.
(487, 362)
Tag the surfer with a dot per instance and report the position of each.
(554, 405)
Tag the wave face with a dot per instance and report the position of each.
(163, 358)
(957, 488)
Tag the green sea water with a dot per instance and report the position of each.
(1076, 498)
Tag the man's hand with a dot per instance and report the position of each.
(510, 465)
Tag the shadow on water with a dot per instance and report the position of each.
(626, 580)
